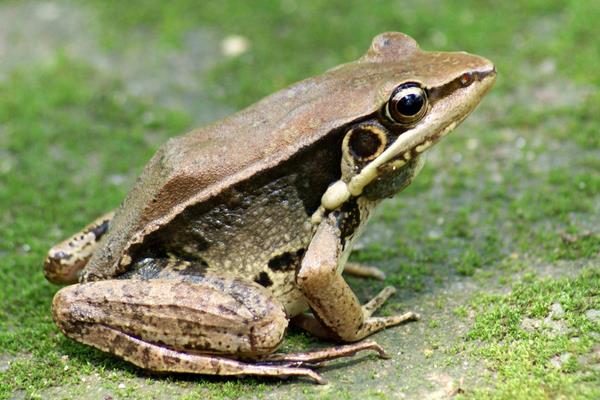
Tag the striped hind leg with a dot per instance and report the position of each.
(66, 259)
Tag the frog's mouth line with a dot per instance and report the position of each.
(404, 157)
(340, 191)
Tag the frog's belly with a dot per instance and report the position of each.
(259, 236)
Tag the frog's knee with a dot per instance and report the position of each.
(262, 325)
(266, 335)
(64, 310)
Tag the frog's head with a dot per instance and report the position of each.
(421, 97)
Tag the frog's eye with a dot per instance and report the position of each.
(366, 141)
(407, 104)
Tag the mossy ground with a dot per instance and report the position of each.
(497, 243)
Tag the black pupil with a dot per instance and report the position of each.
(364, 143)
(410, 104)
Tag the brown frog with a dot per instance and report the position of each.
(237, 228)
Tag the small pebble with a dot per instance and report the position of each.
(234, 45)
(593, 315)
(558, 360)
(472, 144)
(556, 311)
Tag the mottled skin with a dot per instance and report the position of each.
(66, 259)
(239, 227)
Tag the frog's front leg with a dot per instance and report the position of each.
(339, 314)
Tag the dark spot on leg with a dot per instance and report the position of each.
(227, 311)
(101, 229)
(169, 360)
(252, 340)
(263, 279)
(216, 366)
(61, 255)
(288, 261)
(145, 356)
(348, 219)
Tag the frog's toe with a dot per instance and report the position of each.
(364, 271)
(315, 357)
(377, 323)
(376, 302)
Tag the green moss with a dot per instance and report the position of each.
(469, 261)
(578, 245)
(545, 358)
(460, 311)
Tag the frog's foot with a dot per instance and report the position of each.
(364, 271)
(376, 302)
(66, 259)
(339, 314)
(372, 324)
(313, 358)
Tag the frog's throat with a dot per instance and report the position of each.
(339, 192)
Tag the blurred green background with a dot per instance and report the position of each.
(496, 244)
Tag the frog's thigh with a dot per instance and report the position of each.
(165, 325)
(339, 312)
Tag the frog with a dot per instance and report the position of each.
(239, 229)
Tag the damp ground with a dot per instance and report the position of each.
(496, 244)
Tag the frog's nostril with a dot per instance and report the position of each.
(492, 72)
(488, 70)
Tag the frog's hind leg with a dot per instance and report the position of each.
(162, 359)
(66, 259)
(200, 326)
